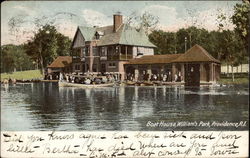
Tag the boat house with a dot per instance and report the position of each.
(60, 64)
(122, 50)
(193, 68)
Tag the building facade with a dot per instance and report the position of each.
(107, 49)
(122, 49)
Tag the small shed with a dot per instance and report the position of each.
(60, 64)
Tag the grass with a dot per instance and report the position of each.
(19, 75)
(241, 80)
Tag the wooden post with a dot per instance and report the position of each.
(136, 73)
(211, 73)
(202, 73)
(183, 72)
(91, 59)
(149, 71)
(173, 71)
(126, 51)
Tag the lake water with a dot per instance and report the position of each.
(45, 106)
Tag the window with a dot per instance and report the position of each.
(94, 68)
(77, 67)
(103, 52)
(103, 67)
(97, 36)
(116, 49)
(112, 65)
(95, 51)
(83, 51)
(87, 51)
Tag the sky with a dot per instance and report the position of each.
(18, 18)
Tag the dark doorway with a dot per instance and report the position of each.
(192, 74)
(130, 73)
(103, 68)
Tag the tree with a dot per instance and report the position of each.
(46, 45)
(145, 21)
(241, 19)
(165, 41)
(232, 51)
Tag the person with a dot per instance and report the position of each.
(87, 81)
(155, 77)
(169, 76)
(164, 78)
(60, 77)
(67, 77)
(175, 77)
(104, 79)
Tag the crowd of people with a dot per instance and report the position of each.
(166, 77)
(98, 78)
(89, 78)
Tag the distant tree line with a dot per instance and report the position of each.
(14, 58)
(229, 46)
(226, 45)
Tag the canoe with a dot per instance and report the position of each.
(67, 84)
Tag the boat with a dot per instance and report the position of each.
(68, 84)
(130, 83)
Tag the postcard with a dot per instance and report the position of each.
(103, 79)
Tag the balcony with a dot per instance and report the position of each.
(120, 57)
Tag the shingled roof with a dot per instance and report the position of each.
(196, 54)
(155, 59)
(61, 61)
(87, 32)
(125, 35)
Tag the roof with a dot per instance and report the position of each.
(125, 35)
(196, 54)
(87, 32)
(130, 36)
(155, 59)
(61, 61)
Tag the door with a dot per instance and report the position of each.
(192, 74)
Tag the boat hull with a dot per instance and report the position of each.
(66, 84)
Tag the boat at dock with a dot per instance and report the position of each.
(79, 85)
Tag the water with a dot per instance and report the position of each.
(45, 106)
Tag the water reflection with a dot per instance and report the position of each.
(45, 106)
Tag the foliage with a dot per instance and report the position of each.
(25, 75)
(14, 58)
(46, 45)
(164, 41)
(241, 20)
(224, 45)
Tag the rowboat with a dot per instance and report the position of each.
(67, 84)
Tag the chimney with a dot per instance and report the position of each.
(117, 21)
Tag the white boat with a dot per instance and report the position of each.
(68, 84)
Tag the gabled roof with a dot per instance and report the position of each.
(130, 36)
(196, 54)
(110, 37)
(125, 35)
(61, 61)
(155, 59)
(87, 32)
